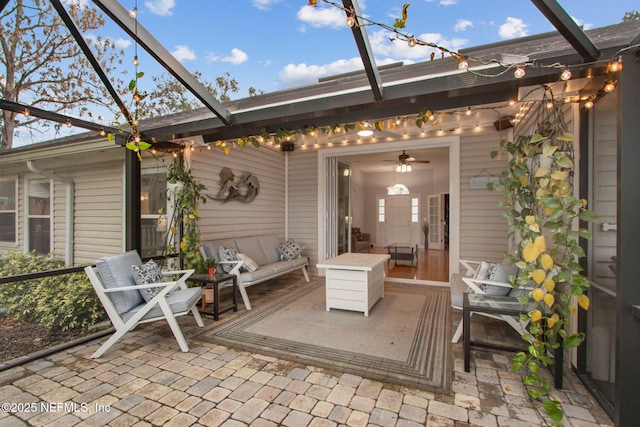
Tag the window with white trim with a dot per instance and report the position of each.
(415, 209)
(8, 194)
(381, 210)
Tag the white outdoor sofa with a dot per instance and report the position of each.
(262, 258)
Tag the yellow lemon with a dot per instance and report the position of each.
(530, 252)
(536, 315)
(549, 285)
(530, 219)
(540, 244)
(538, 275)
(537, 294)
(583, 301)
(546, 261)
(549, 300)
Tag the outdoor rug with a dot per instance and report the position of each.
(404, 340)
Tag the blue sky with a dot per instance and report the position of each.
(276, 44)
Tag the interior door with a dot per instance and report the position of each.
(399, 222)
(436, 237)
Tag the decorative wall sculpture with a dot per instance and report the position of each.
(245, 189)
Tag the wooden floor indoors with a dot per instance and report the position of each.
(432, 265)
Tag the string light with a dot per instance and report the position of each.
(519, 73)
(588, 104)
(609, 87)
(566, 74)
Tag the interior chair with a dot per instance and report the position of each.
(488, 279)
(360, 242)
(130, 300)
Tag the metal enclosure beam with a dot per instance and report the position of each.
(71, 26)
(627, 410)
(121, 17)
(568, 28)
(364, 47)
(55, 117)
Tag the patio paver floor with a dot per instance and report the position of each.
(146, 380)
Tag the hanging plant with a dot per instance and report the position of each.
(187, 199)
(543, 213)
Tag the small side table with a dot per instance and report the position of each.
(499, 305)
(402, 252)
(214, 282)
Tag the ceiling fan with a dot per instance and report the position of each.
(405, 159)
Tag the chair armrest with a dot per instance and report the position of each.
(235, 270)
(138, 287)
(365, 237)
(471, 266)
(477, 285)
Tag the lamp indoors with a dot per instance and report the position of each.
(403, 167)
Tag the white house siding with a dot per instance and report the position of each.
(99, 210)
(265, 215)
(303, 202)
(98, 179)
(604, 195)
(483, 231)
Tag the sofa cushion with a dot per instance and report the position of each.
(180, 301)
(115, 272)
(249, 265)
(289, 250)
(251, 247)
(146, 274)
(261, 273)
(227, 254)
(270, 245)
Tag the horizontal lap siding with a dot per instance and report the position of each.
(265, 215)
(99, 207)
(303, 202)
(483, 231)
(604, 188)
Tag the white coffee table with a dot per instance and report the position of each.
(354, 281)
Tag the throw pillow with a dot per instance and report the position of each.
(249, 264)
(289, 250)
(502, 272)
(227, 254)
(145, 275)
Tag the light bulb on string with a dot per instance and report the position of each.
(463, 65)
(133, 12)
(412, 42)
(609, 87)
(519, 73)
(615, 66)
(136, 61)
(588, 104)
(566, 74)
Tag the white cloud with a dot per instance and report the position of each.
(319, 17)
(300, 74)
(183, 53)
(264, 4)
(237, 57)
(448, 2)
(160, 7)
(581, 23)
(400, 50)
(121, 43)
(514, 27)
(462, 25)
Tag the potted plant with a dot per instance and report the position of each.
(425, 230)
(543, 215)
(210, 264)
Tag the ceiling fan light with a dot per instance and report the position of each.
(366, 130)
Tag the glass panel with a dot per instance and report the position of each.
(7, 227)
(40, 235)
(39, 215)
(344, 207)
(153, 208)
(8, 211)
(7, 195)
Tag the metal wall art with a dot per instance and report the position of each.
(244, 189)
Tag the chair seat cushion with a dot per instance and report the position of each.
(260, 273)
(180, 301)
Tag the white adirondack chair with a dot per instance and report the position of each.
(112, 279)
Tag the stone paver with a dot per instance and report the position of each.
(146, 380)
